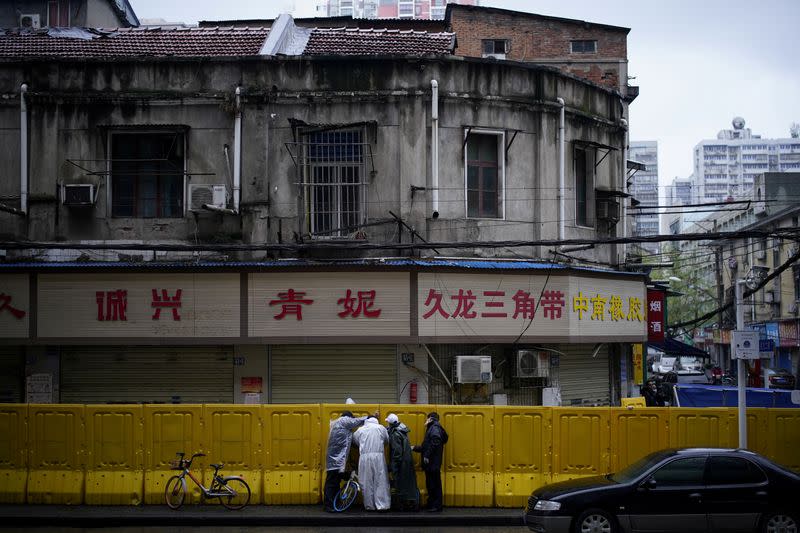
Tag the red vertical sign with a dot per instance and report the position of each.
(655, 316)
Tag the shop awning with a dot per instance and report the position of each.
(676, 347)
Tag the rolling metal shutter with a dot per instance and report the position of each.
(584, 379)
(331, 373)
(161, 374)
(12, 372)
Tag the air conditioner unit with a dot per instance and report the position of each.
(473, 369)
(772, 297)
(761, 255)
(533, 364)
(608, 210)
(202, 194)
(77, 195)
(494, 56)
(29, 21)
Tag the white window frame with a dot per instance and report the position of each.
(501, 171)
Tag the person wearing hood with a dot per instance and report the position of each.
(432, 449)
(339, 439)
(371, 439)
(401, 464)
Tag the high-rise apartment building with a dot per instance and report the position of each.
(644, 189)
(679, 192)
(726, 167)
(370, 9)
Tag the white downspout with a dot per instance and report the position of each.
(435, 148)
(625, 199)
(561, 184)
(237, 151)
(23, 149)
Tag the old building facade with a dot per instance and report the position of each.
(250, 208)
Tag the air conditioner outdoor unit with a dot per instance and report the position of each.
(533, 364)
(608, 209)
(203, 194)
(772, 297)
(761, 255)
(77, 195)
(473, 369)
(494, 56)
(29, 21)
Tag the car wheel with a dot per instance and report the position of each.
(595, 521)
(779, 522)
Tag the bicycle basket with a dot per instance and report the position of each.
(176, 464)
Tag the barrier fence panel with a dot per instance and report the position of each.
(522, 459)
(114, 455)
(233, 435)
(468, 469)
(702, 427)
(13, 452)
(292, 455)
(784, 437)
(169, 429)
(581, 440)
(55, 456)
(637, 432)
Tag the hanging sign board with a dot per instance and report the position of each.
(745, 345)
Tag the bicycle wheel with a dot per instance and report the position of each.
(346, 496)
(175, 492)
(239, 493)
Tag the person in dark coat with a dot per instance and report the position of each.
(401, 464)
(432, 449)
(652, 395)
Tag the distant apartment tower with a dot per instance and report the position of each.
(386, 9)
(644, 189)
(726, 167)
(679, 192)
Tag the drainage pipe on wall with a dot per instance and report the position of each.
(624, 183)
(561, 184)
(237, 150)
(435, 148)
(23, 148)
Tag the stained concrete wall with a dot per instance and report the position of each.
(73, 105)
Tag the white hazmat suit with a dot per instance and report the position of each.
(372, 474)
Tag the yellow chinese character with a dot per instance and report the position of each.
(635, 309)
(580, 304)
(615, 309)
(599, 307)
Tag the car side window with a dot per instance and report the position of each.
(681, 472)
(733, 471)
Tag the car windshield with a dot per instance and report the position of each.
(635, 470)
(689, 361)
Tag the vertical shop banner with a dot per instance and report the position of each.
(655, 316)
(638, 364)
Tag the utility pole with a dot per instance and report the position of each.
(740, 370)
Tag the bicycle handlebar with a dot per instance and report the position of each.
(187, 462)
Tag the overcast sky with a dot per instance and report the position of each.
(698, 63)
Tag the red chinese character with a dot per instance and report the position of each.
(116, 304)
(354, 307)
(291, 303)
(494, 304)
(553, 303)
(435, 298)
(164, 301)
(466, 301)
(525, 305)
(5, 303)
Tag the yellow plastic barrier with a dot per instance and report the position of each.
(637, 432)
(114, 458)
(633, 402)
(783, 428)
(580, 442)
(292, 454)
(468, 469)
(13, 456)
(522, 453)
(702, 427)
(169, 429)
(233, 435)
(56, 436)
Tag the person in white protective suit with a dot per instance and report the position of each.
(372, 473)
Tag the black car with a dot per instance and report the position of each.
(780, 379)
(685, 490)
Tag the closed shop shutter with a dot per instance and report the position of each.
(161, 374)
(12, 372)
(331, 373)
(584, 379)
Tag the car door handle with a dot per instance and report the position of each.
(695, 496)
(761, 493)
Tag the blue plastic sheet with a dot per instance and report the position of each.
(716, 396)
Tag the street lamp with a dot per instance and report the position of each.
(752, 280)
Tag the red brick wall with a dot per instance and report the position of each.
(543, 40)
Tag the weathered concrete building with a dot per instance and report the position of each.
(248, 205)
(34, 14)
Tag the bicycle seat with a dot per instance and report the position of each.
(216, 466)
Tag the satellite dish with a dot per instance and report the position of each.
(738, 123)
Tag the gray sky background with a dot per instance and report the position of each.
(698, 63)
